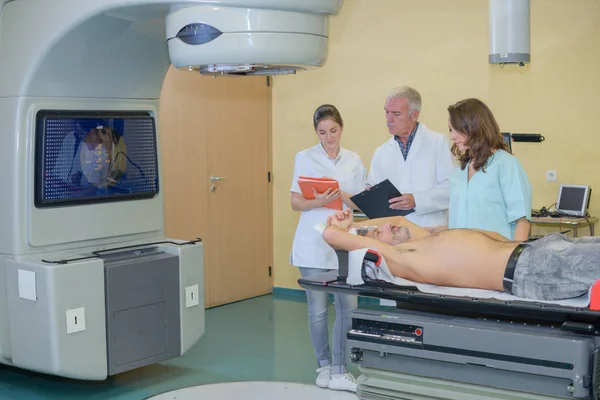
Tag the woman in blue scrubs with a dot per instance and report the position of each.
(490, 190)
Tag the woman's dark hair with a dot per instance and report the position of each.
(473, 118)
(327, 111)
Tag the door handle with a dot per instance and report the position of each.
(217, 178)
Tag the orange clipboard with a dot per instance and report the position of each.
(308, 183)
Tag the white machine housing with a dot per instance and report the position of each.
(61, 268)
(270, 41)
(509, 37)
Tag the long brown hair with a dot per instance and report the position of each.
(473, 118)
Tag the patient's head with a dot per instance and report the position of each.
(364, 230)
(386, 233)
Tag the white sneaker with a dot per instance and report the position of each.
(324, 376)
(342, 382)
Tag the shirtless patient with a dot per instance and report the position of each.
(554, 267)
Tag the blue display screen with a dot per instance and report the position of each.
(94, 157)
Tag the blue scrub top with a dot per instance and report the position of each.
(492, 200)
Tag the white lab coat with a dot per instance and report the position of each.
(425, 173)
(309, 249)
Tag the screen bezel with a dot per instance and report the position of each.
(40, 141)
(584, 205)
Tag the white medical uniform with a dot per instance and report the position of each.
(309, 248)
(425, 173)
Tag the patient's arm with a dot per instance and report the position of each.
(394, 256)
(415, 230)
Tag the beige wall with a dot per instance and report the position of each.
(441, 47)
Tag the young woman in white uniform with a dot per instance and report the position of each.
(312, 255)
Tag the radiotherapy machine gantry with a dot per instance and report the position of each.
(89, 284)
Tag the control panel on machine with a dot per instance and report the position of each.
(386, 333)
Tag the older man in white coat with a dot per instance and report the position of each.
(415, 159)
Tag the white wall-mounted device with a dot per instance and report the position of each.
(509, 35)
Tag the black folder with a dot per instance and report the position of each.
(375, 201)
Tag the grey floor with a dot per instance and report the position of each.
(255, 390)
(261, 339)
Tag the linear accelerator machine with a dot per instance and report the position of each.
(89, 284)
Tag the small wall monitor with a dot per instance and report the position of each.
(573, 200)
(91, 157)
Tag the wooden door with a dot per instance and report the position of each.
(220, 129)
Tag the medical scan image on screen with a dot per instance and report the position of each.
(82, 159)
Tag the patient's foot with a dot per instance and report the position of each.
(342, 382)
(324, 376)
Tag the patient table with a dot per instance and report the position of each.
(436, 346)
